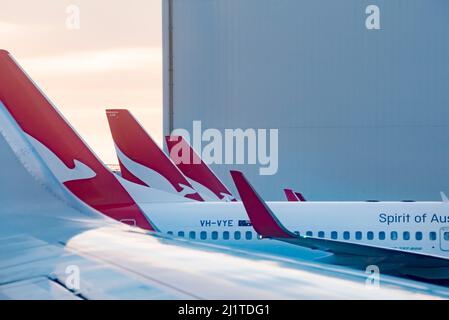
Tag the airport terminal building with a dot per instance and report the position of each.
(359, 94)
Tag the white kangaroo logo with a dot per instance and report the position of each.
(227, 197)
(58, 167)
(151, 177)
(209, 195)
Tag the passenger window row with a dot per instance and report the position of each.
(226, 235)
(370, 235)
(334, 235)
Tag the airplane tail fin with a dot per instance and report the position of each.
(262, 218)
(29, 113)
(291, 196)
(196, 170)
(141, 160)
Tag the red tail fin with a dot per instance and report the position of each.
(66, 155)
(291, 196)
(294, 196)
(196, 169)
(141, 159)
(262, 218)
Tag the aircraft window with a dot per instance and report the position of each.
(192, 234)
(418, 235)
(181, 234)
(381, 235)
(309, 233)
(370, 235)
(259, 237)
(358, 235)
(237, 235)
(226, 235)
(346, 235)
(334, 235)
(203, 235)
(214, 235)
(394, 235)
(446, 236)
(320, 234)
(248, 235)
(433, 236)
(406, 235)
(170, 233)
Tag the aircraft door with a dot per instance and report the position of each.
(444, 239)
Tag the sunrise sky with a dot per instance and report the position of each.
(113, 61)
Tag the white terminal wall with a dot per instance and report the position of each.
(361, 114)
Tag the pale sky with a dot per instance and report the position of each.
(113, 61)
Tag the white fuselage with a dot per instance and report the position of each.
(422, 227)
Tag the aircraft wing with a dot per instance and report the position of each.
(267, 225)
(60, 235)
(52, 248)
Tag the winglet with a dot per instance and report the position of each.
(291, 196)
(262, 218)
(300, 197)
(444, 197)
